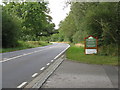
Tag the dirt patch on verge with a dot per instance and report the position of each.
(79, 45)
(59, 42)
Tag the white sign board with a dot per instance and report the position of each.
(91, 51)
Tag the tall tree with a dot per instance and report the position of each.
(34, 19)
(99, 19)
(10, 30)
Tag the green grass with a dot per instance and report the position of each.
(25, 45)
(77, 54)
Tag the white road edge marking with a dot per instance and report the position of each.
(42, 68)
(48, 64)
(34, 75)
(21, 85)
(61, 52)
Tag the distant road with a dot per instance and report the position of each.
(20, 67)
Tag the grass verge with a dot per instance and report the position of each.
(77, 54)
(25, 45)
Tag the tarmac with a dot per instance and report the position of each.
(71, 74)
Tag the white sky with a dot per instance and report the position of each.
(0, 1)
(58, 12)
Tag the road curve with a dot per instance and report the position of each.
(20, 67)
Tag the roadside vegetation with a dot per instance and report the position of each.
(75, 53)
(99, 19)
(25, 45)
(25, 25)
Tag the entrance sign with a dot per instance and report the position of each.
(90, 51)
(91, 45)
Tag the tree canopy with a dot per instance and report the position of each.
(29, 19)
(99, 19)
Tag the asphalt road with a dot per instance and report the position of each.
(20, 67)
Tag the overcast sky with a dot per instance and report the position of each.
(58, 12)
(0, 1)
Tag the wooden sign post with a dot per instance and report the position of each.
(91, 45)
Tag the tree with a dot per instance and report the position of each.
(10, 30)
(34, 19)
(67, 28)
(99, 19)
(103, 22)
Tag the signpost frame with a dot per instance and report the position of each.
(90, 48)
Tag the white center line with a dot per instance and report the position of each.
(48, 64)
(32, 53)
(35, 51)
(34, 75)
(13, 58)
(22, 55)
(29, 53)
(42, 68)
(52, 60)
(4, 58)
(21, 85)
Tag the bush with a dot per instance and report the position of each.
(111, 50)
(10, 29)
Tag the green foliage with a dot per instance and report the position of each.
(102, 22)
(25, 21)
(79, 36)
(67, 28)
(97, 19)
(54, 37)
(10, 30)
(32, 44)
(44, 38)
(0, 26)
(57, 37)
(25, 45)
(111, 50)
(35, 19)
